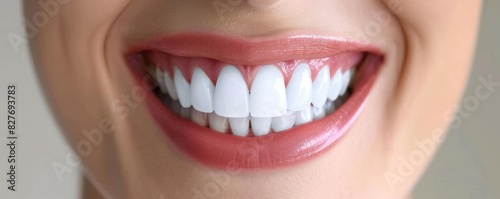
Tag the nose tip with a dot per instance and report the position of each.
(264, 3)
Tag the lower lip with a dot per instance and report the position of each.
(275, 150)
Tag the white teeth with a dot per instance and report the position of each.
(218, 123)
(346, 78)
(182, 87)
(239, 126)
(159, 78)
(304, 116)
(269, 106)
(320, 87)
(283, 123)
(260, 125)
(268, 93)
(199, 117)
(299, 89)
(202, 91)
(172, 92)
(335, 86)
(318, 113)
(231, 94)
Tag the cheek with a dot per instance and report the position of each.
(432, 79)
(68, 52)
(92, 14)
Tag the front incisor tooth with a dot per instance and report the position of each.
(320, 87)
(304, 116)
(182, 87)
(231, 94)
(283, 123)
(346, 78)
(202, 91)
(240, 126)
(268, 93)
(218, 123)
(260, 125)
(299, 89)
(335, 86)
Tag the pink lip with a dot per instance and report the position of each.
(255, 51)
(274, 150)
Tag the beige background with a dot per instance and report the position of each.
(466, 166)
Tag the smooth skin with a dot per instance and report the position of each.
(428, 45)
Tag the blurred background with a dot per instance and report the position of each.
(466, 166)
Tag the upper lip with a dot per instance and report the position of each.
(278, 149)
(252, 51)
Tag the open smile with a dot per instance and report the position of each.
(258, 103)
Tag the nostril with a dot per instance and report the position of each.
(264, 3)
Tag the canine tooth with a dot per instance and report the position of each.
(159, 79)
(239, 126)
(318, 112)
(218, 123)
(172, 92)
(320, 87)
(335, 86)
(268, 93)
(283, 123)
(231, 94)
(199, 117)
(299, 89)
(185, 113)
(182, 87)
(202, 91)
(260, 125)
(303, 116)
(346, 77)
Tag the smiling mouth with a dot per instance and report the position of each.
(252, 100)
(217, 108)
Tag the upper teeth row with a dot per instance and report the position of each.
(267, 98)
